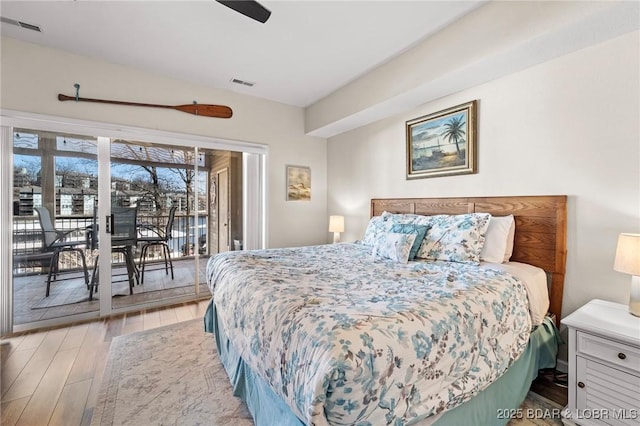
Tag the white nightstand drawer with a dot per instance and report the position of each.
(611, 352)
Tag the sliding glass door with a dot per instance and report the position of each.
(102, 225)
(54, 195)
(167, 187)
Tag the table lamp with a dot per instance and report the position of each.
(336, 225)
(628, 261)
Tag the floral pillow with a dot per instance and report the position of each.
(409, 228)
(455, 238)
(410, 218)
(377, 225)
(394, 246)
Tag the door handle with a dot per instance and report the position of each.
(109, 224)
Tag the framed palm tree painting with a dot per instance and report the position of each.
(443, 143)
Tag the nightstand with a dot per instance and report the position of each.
(604, 365)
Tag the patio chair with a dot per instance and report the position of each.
(123, 240)
(54, 241)
(159, 237)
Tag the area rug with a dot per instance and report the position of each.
(171, 375)
(167, 376)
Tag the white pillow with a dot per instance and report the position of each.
(498, 241)
(394, 246)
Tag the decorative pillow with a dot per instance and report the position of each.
(394, 246)
(455, 238)
(410, 218)
(498, 243)
(377, 225)
(409, 228)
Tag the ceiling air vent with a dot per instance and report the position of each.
(242, 82)
(20, 24)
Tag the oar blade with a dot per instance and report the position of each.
(218, 111)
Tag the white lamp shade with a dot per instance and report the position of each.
(336, 224)
(628, 254)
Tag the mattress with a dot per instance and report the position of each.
(343, 338)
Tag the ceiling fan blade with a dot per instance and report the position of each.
(250, 8)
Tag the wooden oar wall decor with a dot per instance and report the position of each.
(206, 110)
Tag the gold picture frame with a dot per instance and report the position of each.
(298, 183)
(443, 143)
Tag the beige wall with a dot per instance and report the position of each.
(569, 126)
(32, 76)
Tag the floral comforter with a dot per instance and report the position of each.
(346, 339)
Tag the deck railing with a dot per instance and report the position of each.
(28, 239)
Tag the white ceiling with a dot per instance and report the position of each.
(305, 51)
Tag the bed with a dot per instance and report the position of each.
(353, 333)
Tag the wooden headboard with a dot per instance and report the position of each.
(541, 228)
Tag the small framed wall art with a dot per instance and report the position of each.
(443, 143)
(298, 183)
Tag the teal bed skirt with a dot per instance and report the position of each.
(507, 392)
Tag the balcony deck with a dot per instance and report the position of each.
(69, 295)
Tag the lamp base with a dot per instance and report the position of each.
(336, 237)
(634, 296)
